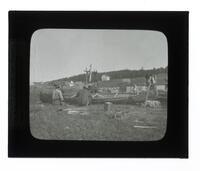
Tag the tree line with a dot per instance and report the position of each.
(120, 74)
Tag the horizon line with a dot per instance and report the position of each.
(98, 73)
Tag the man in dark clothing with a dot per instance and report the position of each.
(151, 85)
(147, 77)
(84, 97)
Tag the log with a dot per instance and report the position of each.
(46, 96)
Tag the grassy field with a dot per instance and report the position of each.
(125, 122)
(122, 123)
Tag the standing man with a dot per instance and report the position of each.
(57, 96)
(84, 97)
(151, 85)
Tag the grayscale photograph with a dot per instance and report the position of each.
(98, 85)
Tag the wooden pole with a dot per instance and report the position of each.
(147, 95)
(90, 73)
(86, 75)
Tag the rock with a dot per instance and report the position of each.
(152, 103)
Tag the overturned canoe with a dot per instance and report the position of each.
(118, 100)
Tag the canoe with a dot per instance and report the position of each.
(119, 100)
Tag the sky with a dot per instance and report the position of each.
(59, 53)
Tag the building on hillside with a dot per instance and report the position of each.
(114, 90)
(130, 89)
(161, 87)
(105, 77)
(126, 80)
(71, 84)
(141, 88)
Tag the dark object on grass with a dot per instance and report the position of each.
(46, 96)
(107, 106)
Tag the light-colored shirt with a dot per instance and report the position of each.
(57, 94)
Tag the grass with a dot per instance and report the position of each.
(92, 123)
(69, 122)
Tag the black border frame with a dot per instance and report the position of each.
(173, 24)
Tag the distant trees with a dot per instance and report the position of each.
(119, 74)
(122, 74)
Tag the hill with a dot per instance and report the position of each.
(114, 75)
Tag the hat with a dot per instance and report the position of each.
(85, 86)
(56, 85)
